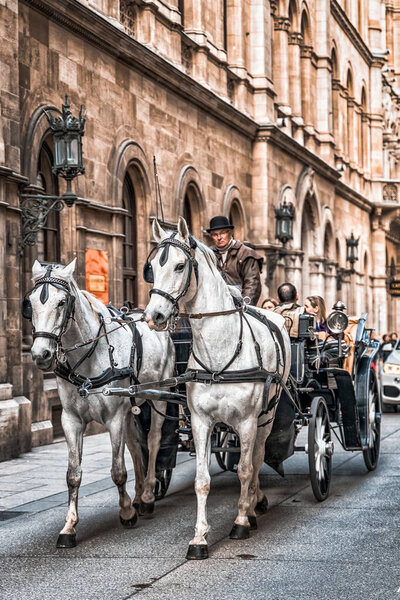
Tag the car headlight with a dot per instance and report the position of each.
(337, 321)
(391, 369)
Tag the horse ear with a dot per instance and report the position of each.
(158, 232)
(37, 269)
(183, 229)
(68, 271)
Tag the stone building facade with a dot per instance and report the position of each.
(245, 104)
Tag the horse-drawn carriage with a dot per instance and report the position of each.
(332, 389)
(246, 405)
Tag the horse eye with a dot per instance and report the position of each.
(179, 268)
(61, 303)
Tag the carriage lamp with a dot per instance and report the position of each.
(67, 132)
(337, 321)
(284, 216)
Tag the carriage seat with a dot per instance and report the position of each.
(291, 313)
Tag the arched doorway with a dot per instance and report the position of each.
(129, 263)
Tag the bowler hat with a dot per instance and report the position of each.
(220, 222)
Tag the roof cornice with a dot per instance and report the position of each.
(351, 32)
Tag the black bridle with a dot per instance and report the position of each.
(44, 283)
(188, 251)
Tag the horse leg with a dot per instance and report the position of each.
(247, 432)
(135, 451)
(153, 442)
(258, 501)
(198, 548)
(73, 429)
(127, 513)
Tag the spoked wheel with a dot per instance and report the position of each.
(221, 441)
(320, 449)
(163, 479)
(371, 453)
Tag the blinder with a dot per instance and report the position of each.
(44, 282)
(187, 249)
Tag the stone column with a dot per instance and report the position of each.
(306, 85)
(330, 285)
(336, 116)
(295, 41)
(350, 130)
(281, 62)
(293, 270)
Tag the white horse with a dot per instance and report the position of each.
(185, 271)
(62, 316)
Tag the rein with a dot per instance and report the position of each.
(212, 314)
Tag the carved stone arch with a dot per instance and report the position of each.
(130, 160)
(190, 199)
(293, 15)
(306, 190)
(306, 25)
(328, 237)
(38, 128)
(232, 207)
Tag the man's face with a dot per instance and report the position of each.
(221, 237)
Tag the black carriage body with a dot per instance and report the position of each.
(346, 395)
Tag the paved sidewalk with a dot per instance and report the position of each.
(36, 480)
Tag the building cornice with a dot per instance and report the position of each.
(347, 26)
(102, 33)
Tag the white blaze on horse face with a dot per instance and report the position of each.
(170, 277)
(48, 317)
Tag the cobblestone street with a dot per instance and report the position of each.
(345, 548)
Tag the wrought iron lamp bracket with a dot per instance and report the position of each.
(340, 277)
(272, 259)
(35, 209)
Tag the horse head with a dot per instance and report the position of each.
(172, 270)
(50, 306)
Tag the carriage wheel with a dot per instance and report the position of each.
(221, 440)
(371, 454)
(163, 479)
(320, 449)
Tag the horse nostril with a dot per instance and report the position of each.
(159, 317)
(46, 354)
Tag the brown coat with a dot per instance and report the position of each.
(242, 269)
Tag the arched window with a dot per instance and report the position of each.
(307, 92)
(48, 240)
(363, 131)
(349, 116)
(334, 125)
(237, 219)
(295, 41)
(129, 261)
(192, 211)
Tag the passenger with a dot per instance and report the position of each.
(239, 265)
(289, 308)
(315, 305)
(393, 338)
(269, 304)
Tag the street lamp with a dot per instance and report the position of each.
(67, 133)
(351, 257)
(284, 216)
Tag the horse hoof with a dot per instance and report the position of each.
(129, 523)
(253, 523)
(262, 506)
(146, 509)
(197, 552)
(239, 532)
(66, 540)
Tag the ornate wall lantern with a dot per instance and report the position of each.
(67, 133)
(284, 216)
(351, 257)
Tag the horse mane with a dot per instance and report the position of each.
(208, 254)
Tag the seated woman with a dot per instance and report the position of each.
(315, 305)
(269, 304)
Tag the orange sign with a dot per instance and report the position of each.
(96, 265)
